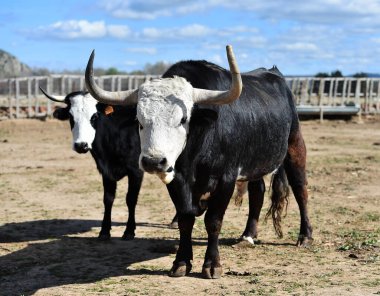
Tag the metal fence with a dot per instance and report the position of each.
(21, 97)
(337, 95)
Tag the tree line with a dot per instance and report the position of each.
(157, 68)
(338, 73)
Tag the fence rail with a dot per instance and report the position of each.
(21, 97)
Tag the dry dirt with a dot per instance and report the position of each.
(51, 210)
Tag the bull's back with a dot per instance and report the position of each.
(258, 126)
(249, 135)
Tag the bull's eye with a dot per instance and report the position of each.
(94, 118)
(183, 120)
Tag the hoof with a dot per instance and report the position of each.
(209, 272)
(179, 270)
(247, 239)
(173, 225)
(304, 241)
(128, 236)
(104, 237)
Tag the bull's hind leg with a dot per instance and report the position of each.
(174, 223)
(134, 185)
(256, 191)
(295, 167)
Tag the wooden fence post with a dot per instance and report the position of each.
(10, 98)
(17, 81)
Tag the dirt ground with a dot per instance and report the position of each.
(51, 211)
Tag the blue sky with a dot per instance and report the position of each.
(300, 37)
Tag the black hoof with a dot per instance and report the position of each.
(104, 237)
(128, 236)
(304, 241)
(210, 272)
(180, 269)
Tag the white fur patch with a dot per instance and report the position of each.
(248, 239)
(165, 177)
(82, 109)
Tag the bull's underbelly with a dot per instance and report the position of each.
(256, 173)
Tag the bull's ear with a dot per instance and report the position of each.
(201, 116)
(61, 114)
(101, 107)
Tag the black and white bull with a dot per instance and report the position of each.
(202, 128)
(111, 135)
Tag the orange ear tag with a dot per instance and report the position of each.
(108, 110)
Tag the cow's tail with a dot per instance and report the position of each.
(279, 197)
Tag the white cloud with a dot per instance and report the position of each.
(79, 29)
(189, 31)
(148, 9)
(194, 30)
(375, 40)
(299, 46)
(352, 12)
(119, 31)
(144, 50)
(153, 33)
(217, 59)
(73, 29)
(130, 63)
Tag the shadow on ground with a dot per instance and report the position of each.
(55, 259)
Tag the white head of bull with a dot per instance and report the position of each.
(82, 112)
(163, 110)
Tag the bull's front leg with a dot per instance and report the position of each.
(212, 269)
(182, 264)
(108, 198)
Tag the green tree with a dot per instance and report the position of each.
(336, 73)
(158, 68)
(360, 75)
(112, 71)
(322, 74)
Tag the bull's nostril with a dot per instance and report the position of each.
(81, 147)
(153, 163)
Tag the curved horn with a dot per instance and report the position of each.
(128, 97)
(215, 97)
(59, 99)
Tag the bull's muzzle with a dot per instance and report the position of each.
(81, 147)
(159, 166)
(153, 164)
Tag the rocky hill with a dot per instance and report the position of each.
(10, 66)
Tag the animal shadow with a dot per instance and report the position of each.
(51, 258)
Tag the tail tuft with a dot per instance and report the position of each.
(280, 199)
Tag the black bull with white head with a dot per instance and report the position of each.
(202, 128)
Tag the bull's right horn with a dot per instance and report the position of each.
(59, 99)
(127, 97)
(215, 97)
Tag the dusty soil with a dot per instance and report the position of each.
(51, 210)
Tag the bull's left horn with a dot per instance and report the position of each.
(127, 97)
(215, 97)
(59, 99)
